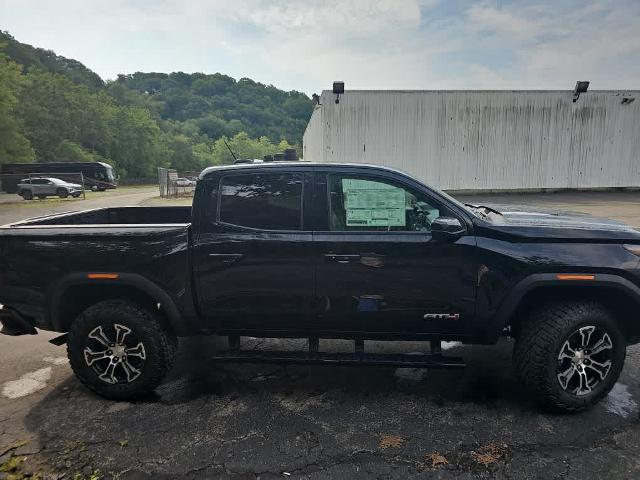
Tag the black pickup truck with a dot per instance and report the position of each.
(326, 251)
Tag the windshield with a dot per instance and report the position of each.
(481, 211)
(458, 203)
(451, 199)
(110, 174)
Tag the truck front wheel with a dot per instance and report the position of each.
(569, 354)
(120, 350)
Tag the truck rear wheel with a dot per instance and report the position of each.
(569, 354)
(120, 350)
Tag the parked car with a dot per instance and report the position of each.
(327, 251)
(43, 187)
(185, 182)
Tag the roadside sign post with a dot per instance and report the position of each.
(173, 179)
(84, 195)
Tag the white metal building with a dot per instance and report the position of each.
(475, 140)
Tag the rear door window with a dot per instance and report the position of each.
(262, 201)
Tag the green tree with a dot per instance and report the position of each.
(69, 151)
(212, 126)
(37, 58)
(244, 146)
(52, 109)
(14, 146)
(56, 109)
(181, 154)
(204, 153)
(137, 146)
(245, 105)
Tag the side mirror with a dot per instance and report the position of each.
(447, 229)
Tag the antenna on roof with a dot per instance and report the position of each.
(232, 154)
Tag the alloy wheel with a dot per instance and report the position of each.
(585, 360)
(115, 354)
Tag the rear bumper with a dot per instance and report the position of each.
(14, 324)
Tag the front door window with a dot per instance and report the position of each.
(365, 204)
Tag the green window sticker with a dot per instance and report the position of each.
(368, 203)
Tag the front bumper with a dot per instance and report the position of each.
(14, 324)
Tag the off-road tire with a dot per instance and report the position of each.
(160, 347)
(540, 341)
(62, 192)
(26, 194)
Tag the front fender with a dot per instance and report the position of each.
(503, 315)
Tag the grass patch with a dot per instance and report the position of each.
(12, 465)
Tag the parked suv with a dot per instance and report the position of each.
(327, 251)
(185, 182)
(43, 187)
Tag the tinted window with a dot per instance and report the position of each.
(265, 201)
(366, 204)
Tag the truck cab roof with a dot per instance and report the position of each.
(298, 165)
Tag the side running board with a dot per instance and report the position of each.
(356, 358)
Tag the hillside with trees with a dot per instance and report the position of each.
(56, 109)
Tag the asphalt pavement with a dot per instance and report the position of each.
(211, 420)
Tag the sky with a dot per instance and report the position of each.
(369, 44)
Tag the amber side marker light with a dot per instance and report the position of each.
(635, 249)
(569, 276)
(103, 276)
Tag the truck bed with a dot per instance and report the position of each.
(41, 258)
(115, 216)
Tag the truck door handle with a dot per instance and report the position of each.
(227, 258)
(332, 257)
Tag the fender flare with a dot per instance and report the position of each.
(503, 314)
(133, 280)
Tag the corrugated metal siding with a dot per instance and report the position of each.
(484, 139)
(312, 140)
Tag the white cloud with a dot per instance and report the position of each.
(353, 18)
(490, 18)
(553, 46)
(305, 45)
(368, 43)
